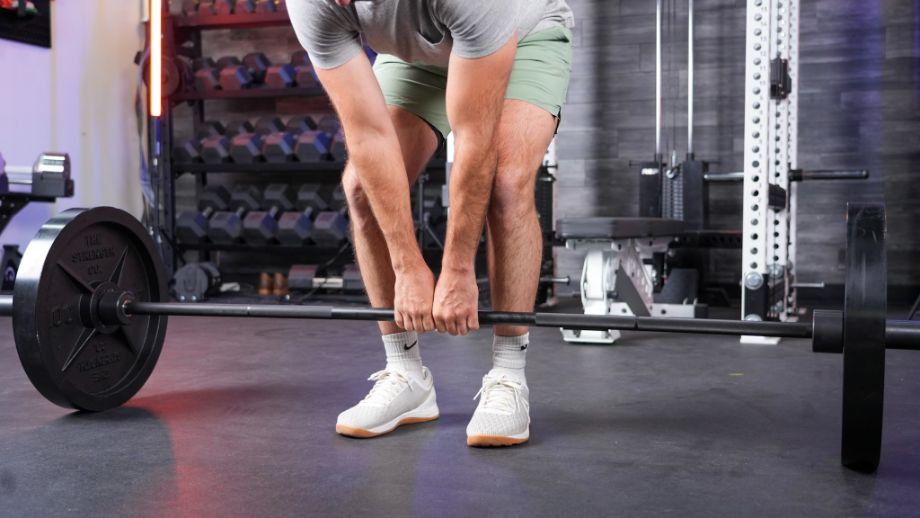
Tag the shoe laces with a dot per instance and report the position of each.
(500, 394)
(387, 385)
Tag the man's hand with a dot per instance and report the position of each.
(456, 302)
(412, 298)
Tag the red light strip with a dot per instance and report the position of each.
(156, 56)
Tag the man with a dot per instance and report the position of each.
(494, 73)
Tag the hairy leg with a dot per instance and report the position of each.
(515, 243)
(418, 142)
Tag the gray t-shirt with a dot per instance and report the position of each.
(418, 31)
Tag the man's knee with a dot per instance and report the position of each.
(359, 207)
(512, 195)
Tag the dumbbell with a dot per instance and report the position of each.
(215, 149)
(246, 147)
(280, 146)
(316, 144)
(236, 75)
(330, 228)
(304, 74)
(195, 281)
(192, 226)
(207, 74)
(330, 125)
(312, 146)
(47, 177)
(294, 228)
(189, 150)
(285, 74)
(227, 226)
(260, 227)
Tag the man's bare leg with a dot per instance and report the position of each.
(418, 142)
(514, 251)
(404, 369)
(515, 242)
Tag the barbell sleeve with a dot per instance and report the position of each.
(807, 175)
(903, 335)
(797, 175)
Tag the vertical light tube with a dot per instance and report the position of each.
(690, 79)
(658, 80)
(156, 55)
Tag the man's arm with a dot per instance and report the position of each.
(374, 152)
(475, 96)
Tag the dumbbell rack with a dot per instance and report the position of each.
(184, 33)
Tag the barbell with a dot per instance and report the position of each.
(89, 318)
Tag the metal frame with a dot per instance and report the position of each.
(770, 134)
(689, 79)
(615, 280)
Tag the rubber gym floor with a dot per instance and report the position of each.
(238, 417)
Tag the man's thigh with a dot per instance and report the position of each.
(417, 89)
(417, 140)
(542, 69)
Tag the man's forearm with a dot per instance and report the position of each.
(379, 166)
(470, 187)
(475, 93)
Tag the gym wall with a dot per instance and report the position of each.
(76, 97)
(859, 74)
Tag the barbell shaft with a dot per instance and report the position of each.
(17, 178)
(900, 334)
(566, 320)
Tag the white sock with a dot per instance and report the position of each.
(402, 352)
(509, 356)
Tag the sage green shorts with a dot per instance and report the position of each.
(540, 76)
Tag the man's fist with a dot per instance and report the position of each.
(456, 302)
(412, 303)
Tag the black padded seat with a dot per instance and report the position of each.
(618, 228)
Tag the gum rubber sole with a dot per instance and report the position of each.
(361, 433)
(494, 440)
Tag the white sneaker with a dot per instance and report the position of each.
(503, 415)
(396, 398)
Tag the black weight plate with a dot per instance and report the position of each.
(864, 315)
(70, 360)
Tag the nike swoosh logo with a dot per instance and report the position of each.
(524, 347)
(407, 347)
